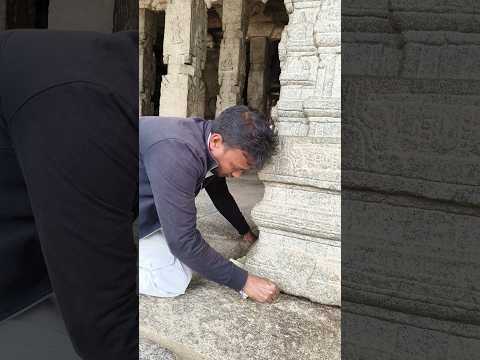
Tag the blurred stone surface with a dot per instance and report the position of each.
(410, 179)
(410, 162)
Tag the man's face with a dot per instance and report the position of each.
(231, 162)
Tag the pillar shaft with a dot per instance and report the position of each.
(299, 216)
(147, 38)
(184, 52)
(231, 70)
(258, 74)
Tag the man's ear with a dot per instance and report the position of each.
(216, 140)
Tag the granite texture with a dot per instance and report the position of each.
(211, 322)
(152, 351)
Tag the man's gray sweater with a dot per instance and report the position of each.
(174, 160)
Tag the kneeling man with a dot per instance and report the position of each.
(176, 155)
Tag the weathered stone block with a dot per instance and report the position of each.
(309, 161)
(301, 265)
(222, 326)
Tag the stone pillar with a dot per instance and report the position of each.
(184, 51)
(147, 36)
(3, 15)
(299, 216)
(231, 70)
(81, 15)
(258, 73)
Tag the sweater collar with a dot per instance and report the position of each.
(211, 162)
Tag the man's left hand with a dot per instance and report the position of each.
(249, 237)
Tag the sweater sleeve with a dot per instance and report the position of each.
(217, 189)
(173, 170)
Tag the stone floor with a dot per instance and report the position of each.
(211, 322)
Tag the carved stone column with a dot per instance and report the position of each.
(257, 76)
(299, 216)
(231, 70)
(147, 37)
(184, 51)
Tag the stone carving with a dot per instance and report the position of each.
(232, 70)
(299, 216)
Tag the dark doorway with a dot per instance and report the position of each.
(125, 15)
(160, 68)
(27, 14)
(274, 74)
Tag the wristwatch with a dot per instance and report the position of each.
(243, 294)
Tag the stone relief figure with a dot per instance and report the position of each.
(176, 33)
(196, 89)
(327, 62)
(298, 68)
(299, 29)
(226, 63)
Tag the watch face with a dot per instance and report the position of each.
(243, 294)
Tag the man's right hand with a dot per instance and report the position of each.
(261, 289)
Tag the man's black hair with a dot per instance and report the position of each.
(246, 129)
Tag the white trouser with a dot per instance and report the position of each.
(160, 273)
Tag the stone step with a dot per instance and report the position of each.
(211, 322)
